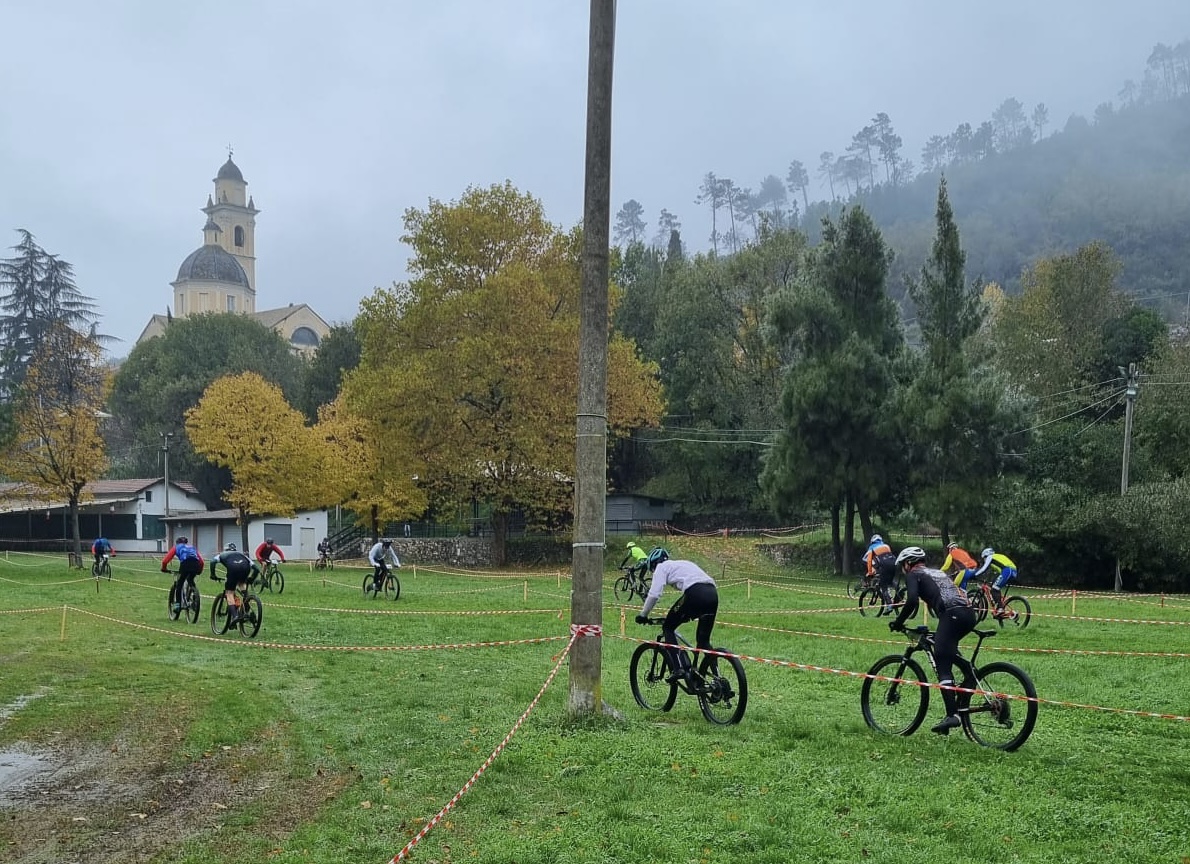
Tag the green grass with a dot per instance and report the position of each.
(336, 755)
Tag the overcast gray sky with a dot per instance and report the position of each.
(115, 115)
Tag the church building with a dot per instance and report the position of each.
(220, 275)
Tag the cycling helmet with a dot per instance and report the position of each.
(268, 540)
(180, 541)
(656, 556)
(951, 545)
(911, 555)
(631, 545)
(987, 553)
(876, 538)
(386, 542)
(230, 547)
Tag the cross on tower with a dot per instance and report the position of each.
(228, 151)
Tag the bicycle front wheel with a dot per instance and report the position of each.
(219, 614)
(191, 602)
(724, 694)
(1002, 711)
(392, 588)
(897, 705)
(369, 586)
(623, 588)
(1016, 613)
(979, 602)
(647, 673)
(279, 581)
(870, 602)
(251, 616)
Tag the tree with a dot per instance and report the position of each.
(826, 171)
(57, 447)
(712, 192)
(956, 410)
(1041, 117)
(841, 333)
(166, 376)
(667, 224)
(799, 181)
(337, 354)
(772, 195)
(860, 148)
(39, 293)
(630, 223)
(471, 363)
(933, 154)
(378, 485)
(243, 423)
(888, 143)
(1012, 127)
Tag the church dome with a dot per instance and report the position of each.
(212, 263)
(230, 171)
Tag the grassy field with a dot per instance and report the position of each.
(348, 723)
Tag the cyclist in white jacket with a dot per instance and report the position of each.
(379, 557)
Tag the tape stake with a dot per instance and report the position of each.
(1073, 596)
(526, 583)
(623, 620)
(62, 632)
(749, 589)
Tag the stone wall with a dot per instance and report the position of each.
(475, 551)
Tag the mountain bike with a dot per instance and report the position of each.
(251, 612)
(631, 583)
(718, 682)
(870, 597)
(858, 584)
(271, 578)
(390, 585)
(1015, 610)
(324, 561)
(189, 601)
(998, 708)
(102, 568)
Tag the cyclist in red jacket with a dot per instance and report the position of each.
(266, 550)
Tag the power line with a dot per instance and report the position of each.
(1114, 395)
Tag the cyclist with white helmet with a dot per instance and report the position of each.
(1002, 568)
(955, 620)
(241, 570)
(699, 600)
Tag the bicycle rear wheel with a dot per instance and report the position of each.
(724, 694)
(870, 602)
(392, 587)
(219, 614)
(252, 614)
(191, 602)
(647, 673)
(895, 706)
(1017, 612)
(1003, 710)
(106, 571)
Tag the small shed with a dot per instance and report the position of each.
(631, 513)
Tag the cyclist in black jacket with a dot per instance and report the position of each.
(955, 620)
(241, 570)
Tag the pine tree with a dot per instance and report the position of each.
(38, 293)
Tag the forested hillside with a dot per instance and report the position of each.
(1123, 180)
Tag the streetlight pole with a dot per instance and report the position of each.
(165, 439)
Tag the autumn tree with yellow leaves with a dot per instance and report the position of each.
(243, 423)
(472, 365)
(57, 446)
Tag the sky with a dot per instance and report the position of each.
(116, 115)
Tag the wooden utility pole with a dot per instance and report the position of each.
(1132, 388)
(586, 595)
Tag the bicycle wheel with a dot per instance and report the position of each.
(219, 614)
(173, 602)
(724, 694)
(320, 564)
(279, 581)
(392, 587)
(647, 673)
(266, 579)
(95, 569)
(105, 570)
(251, 617)
(853, 588)
(1003, 710)
(191, 602)
(869, 598)
(369, 583)
(1017, 612)
(979, 602)
(895, 706)
(899, 599)
(624, 589)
